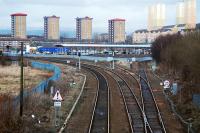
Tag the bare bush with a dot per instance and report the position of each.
(9, 121)
(180, 54)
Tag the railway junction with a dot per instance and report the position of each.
(122, 100)
(115, 98)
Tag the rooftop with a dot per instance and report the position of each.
(181, 25)
(141, 30)
(86, 17)
(53, 16)
(117, 19)
(168, 26)
(18, 14)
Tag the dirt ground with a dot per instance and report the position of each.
(80, 120)
(10, 78)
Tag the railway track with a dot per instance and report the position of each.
(100, 117)
(134, 111)
(135, 114)
(143, 117)
(150, 106)
(99, 122)
(147, 101)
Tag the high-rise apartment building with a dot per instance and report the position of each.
(190, 14)
(151, 17)
(180, 13)
(51, 28)
(18, 25)
(84, 29)
(116, 30)
(156, 16)
(186, 13)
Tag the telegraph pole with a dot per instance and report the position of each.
(21, 79)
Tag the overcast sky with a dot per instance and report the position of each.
(134, 11)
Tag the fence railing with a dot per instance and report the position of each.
(42, 86)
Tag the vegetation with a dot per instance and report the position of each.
(4, 60)
(37, 105)
(180, 54)
(179, 57)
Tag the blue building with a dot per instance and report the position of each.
(53, 50)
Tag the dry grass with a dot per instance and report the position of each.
(10, 78)
(41, 105)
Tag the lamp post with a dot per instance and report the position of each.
(21, 79)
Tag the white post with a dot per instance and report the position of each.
(79, 63)
(113, 64)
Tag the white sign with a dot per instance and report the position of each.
(57, 96)
(57, 104)
(68, 61)
(166, 84)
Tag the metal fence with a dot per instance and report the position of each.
(40, 88)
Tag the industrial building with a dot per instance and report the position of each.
(53, 50)
(84, 29)
(51, 28)
(116, 30)
(18, 25)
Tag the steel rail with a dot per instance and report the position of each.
(147, 82)
(126, 105)
(97, 123)
(157, 126)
